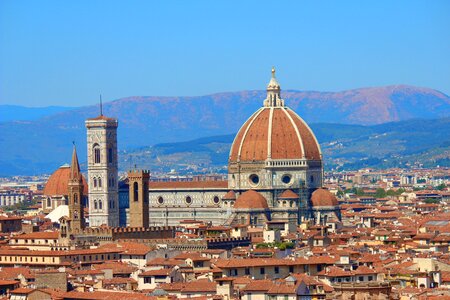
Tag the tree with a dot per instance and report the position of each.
(380, 193)
(441, 186)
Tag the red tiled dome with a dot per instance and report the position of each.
(251, 199)
(229, 196)
(276, 133)
(58, 183)
(288, 194)
(323, 197)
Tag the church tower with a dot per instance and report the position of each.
(76, 213)
(102, 171)
(138, 192)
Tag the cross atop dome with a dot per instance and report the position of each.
(273, 93)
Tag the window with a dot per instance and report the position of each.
(99, 182)
(110, 155)
(291, 269)
(234, 272)
(247, 271)
(96, 153)
(135, 192)
(49, 202)
(286, 179)
(216, 200)
(160, 200)
(95, 182)
(262, 271)
(370, 278)
(254, 179)
(95, 204)
(100, 204)
(277, 270)
(75, 198)
(188, 200)
(361, 278)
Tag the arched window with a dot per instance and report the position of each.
(110, 155)
(75, 214)
(49, 202)
(95, 182)
(95, 205)
(99, 182)
(75, 198)
(135, 192)
(96, 153)
(100, 204)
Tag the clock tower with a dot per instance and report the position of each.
(102, 171)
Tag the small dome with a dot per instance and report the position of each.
(229, 196)
(251, 200)
(288, 194)
(323, 197)
(58, 183)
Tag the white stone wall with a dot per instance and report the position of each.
(7, 199)
(175, 208)
(100, 133)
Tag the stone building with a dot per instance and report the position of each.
(275, 165)
(102, 171)
(56, 190)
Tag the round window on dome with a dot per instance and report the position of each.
(188, 200)
(160, 200)
(216, 200)
(286, 179)
(254, 179)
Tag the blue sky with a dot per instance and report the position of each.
(68, 52)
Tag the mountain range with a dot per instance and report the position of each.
(416, 142)
(36, 146)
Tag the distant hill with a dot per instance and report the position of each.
(22, 113)
(398, 144)
(38, 146)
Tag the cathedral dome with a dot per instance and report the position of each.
(322, 197)
(58, 183)
(274, 132)
(251, 200)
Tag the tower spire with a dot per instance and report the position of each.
(101, 106)
(75, 173)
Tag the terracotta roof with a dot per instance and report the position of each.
(290, 137)
(58, 183)
(251, 200)
(160, 272)
(220, 184)
(231, 195)
(22, 291)
(50, 235)
(101, 117)
(323, 197)
(102, 295)
(129, 248)
(8, 282)
(288, 194)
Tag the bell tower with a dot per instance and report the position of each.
(102, 171)
(76, 212)
(139, 198)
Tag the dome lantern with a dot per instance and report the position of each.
(273, 98)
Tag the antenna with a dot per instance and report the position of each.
(101, 106)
